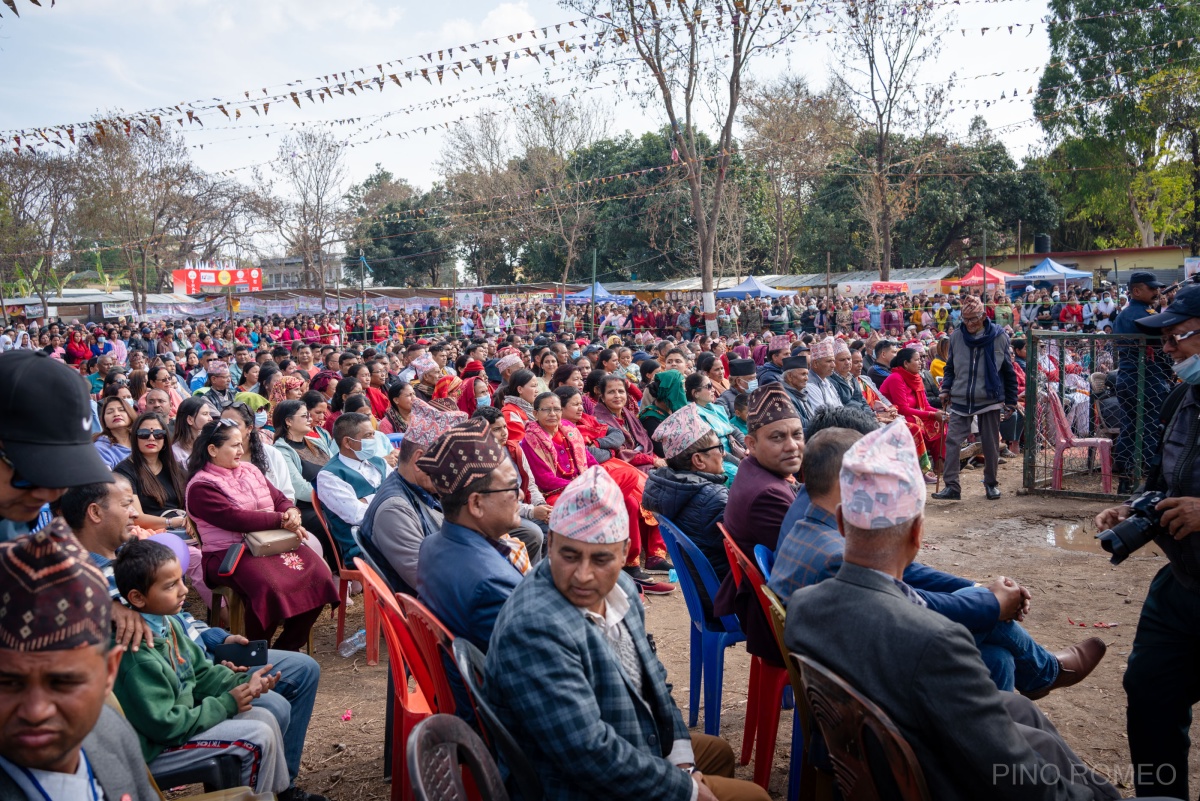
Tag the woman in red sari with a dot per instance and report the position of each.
(905, 388)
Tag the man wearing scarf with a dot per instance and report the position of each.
(978, 381)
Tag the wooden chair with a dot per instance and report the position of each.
(871, 759)
(236, 607)
(805, 782)
(767, 682)
(437, 750)
(406, 708)
(345, 576)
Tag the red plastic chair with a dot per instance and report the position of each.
(345, 576)
(764, 697)
(1064, 440)
(409, 707)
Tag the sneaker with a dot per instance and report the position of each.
(659, 564)
(656, 587)
(636, 573)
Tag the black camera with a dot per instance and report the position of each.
(1143, 524)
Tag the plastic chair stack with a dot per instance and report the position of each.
(767, 682)
(345, 576)
(710, 635)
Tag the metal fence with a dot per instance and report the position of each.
(1091, 411)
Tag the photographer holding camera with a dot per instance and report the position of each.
(1162, 681)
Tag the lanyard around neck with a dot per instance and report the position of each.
(38, 785)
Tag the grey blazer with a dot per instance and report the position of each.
(925, 672)
(112, 749)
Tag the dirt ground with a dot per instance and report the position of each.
(1045, 543)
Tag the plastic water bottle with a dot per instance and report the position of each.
(352, 645)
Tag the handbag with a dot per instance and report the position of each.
(271, 541)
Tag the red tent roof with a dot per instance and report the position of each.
(978, 274)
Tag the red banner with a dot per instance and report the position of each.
(195, 280)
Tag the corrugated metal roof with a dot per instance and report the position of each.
(781, 281)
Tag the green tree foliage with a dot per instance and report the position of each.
(406, 242)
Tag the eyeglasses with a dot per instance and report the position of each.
(516, 491)
(1175, 339)
(709, 448)
(151, 433)
(17, 482)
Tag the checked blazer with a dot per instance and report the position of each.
(559, 688)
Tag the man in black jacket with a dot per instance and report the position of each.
(690, 491)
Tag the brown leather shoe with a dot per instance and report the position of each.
(1074, 665)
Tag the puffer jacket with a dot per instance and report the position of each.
(696, 503)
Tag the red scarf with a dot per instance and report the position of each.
(915, 383)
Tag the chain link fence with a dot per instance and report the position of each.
(1092, 412)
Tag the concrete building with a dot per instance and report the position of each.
(288, 273)
(1107, 265)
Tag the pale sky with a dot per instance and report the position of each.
(65, 64)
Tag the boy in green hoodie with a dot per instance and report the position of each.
(184, 708)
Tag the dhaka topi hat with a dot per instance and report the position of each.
(465, 453)
(778, 342)
(822, 350)
(217, 367)
(426, 423)
(769, 404)
(51, 597)
(681, 430)
(971, 306)
(509, 362)
(881, 479)
(591, 509)
(423, 365)
(840, 347)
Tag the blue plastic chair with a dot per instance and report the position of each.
(708, 641)
(765, 558)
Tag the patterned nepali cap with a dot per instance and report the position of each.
(509, 362)
(51, 597)
(769, 404)
(840, 347)
(970, 305)
(427, 423)
(463, 454)
(591, 509)
(217, 367)
(882, 484)
(778, 342)
(423, 365)
(821, 350)
(681, 430)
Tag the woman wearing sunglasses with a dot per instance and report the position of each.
(158, 479)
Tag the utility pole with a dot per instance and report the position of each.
(827, 260)
(362, 288)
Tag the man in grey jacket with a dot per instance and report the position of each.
(870, 628)
(978, 381)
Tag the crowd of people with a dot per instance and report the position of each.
(509, 469)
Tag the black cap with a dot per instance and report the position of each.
(46, 422)
(799, 362)
(1149, 279)
(741, 367)
(1185, 306)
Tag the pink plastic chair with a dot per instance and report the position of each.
(1064, 440)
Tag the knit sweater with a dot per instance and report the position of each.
(168, 703)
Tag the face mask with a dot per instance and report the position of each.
(382, 446)
(484, 401)
(260, 419)
(753, 385)
(365, 449)
(1188, 370)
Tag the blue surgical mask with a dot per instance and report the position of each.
(260, 419)
(1188, 370)
(382, 446)
(753, 385)
(575, 354)
(484, 401)
(365, 449)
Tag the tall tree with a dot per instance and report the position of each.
(698, 53)
(310, 213)
(40, 190)
(1101, 54)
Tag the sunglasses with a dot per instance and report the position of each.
(151, 433)
(17, 482)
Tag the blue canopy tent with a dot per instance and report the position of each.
(754, 288)
(1052, 274)
(602, 296)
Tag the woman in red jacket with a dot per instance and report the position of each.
(77, 348)
(905, 388)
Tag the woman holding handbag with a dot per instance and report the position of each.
(229, 499)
